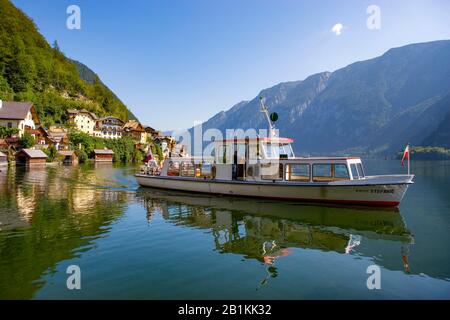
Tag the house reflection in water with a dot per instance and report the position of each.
(42, 207)
(269, 230)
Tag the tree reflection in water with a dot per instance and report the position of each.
(49, 215)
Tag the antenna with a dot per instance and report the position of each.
(265, 110)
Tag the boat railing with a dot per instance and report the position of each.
(194, 159)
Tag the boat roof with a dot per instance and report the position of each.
(325, 158)
(264, 139)
(188, 158)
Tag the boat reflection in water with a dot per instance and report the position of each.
(269, 230)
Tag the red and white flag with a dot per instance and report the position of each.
(405, 155)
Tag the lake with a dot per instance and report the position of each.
(136, 243)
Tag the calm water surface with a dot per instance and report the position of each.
(135, 243)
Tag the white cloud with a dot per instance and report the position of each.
(337, 29)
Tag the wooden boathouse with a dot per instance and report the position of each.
(31, 157)
(103, 155)
(68, 157)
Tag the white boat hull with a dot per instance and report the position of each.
(375, 191)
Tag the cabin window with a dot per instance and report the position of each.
(238, 153)
(174, 169)
(187, 169)
(361, 170)
(286, 151)
(272, 150)
(197, 170)
(322, 173)
(277, 150)
(10, 125)
(298, 172)
(354, 171)
(253, 153)
(272, 171)
(222, 154)
(341, 172)
(205, 171)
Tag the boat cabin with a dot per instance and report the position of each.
(263, 159)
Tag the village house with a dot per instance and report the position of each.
(151, 132)
(20, 115)
(59, 138)
(83, 120)
(103, 155)
(31, 157)
(109, 128)
(136, 131)
(44, 138)
(41, 135)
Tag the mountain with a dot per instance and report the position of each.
(90, 77)
(373, 106)
(85, 73)
(440, 137)
(32, 70)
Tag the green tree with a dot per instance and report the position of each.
(27, 141)
(32, 70)
(51, 153)
(6, 92)
(6, 132)
(82, 141)
(156, 150)
(82, 155)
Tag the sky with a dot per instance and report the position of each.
(176, 62)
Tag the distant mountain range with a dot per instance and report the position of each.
(369, 107)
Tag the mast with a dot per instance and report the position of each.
(265, 110)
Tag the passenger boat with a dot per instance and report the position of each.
(267, 168)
